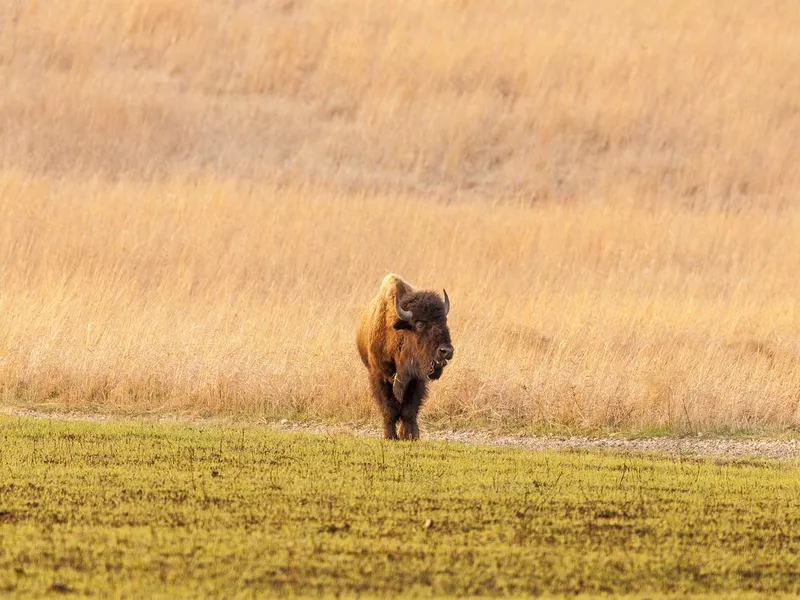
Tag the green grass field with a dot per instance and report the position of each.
(142, 510)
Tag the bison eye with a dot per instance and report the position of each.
(419, 325)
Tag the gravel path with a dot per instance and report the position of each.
(698, 446)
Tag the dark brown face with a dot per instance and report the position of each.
(424, 316)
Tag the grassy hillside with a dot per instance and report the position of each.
(197, 198)
(685, 102)
(132, 510)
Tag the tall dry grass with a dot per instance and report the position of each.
(689, 100)
(197, 197)
(206, 296)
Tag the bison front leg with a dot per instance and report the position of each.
(390, 407)
(402, 388)
(415, 392)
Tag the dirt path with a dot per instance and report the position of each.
(708, 447)
(698, 446)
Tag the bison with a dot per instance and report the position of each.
(404, 342)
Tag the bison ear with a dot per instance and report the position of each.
(400, 324)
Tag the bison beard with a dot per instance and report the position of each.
(404, 342)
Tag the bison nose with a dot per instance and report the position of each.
(446, 351)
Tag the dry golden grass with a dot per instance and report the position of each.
(197, 197)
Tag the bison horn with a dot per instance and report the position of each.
(446, 303)
(405, 315)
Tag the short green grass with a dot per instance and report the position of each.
(147, 510)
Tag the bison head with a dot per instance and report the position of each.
(423, 316)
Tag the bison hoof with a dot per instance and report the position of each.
(408, 432)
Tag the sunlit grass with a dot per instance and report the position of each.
(204, 297)
(132, 510)
(197, 198)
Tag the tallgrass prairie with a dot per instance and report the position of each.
(197, 199)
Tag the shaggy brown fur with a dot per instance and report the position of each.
(403, 349)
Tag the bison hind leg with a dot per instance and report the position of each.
(408, 430)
